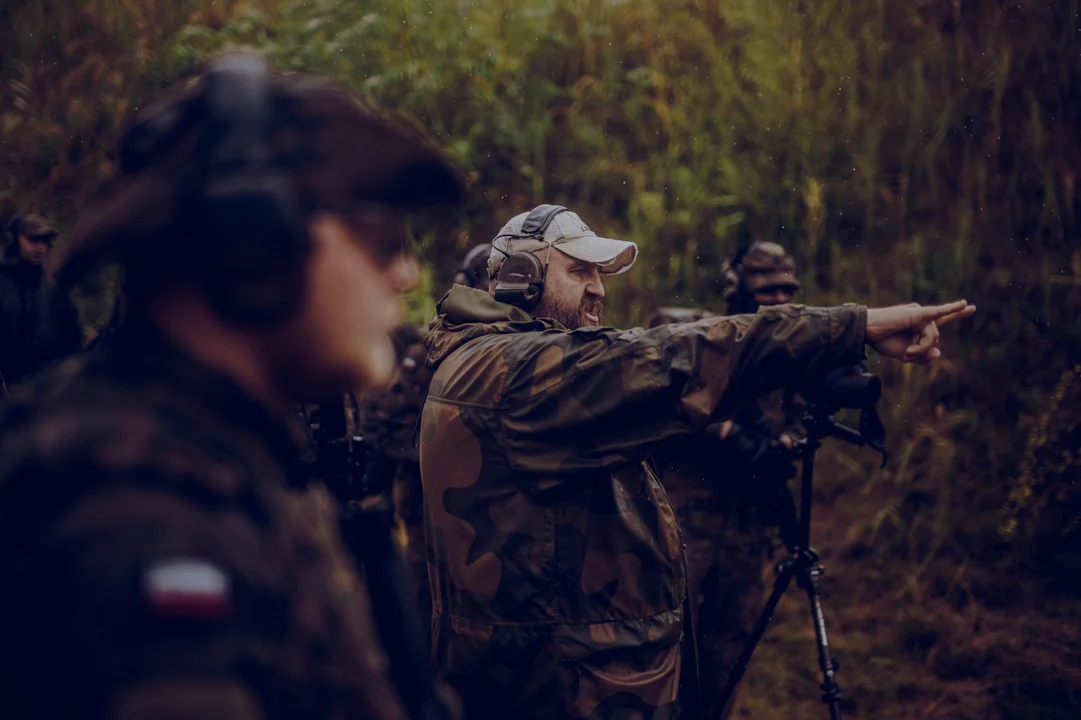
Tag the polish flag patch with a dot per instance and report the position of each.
(187, 588)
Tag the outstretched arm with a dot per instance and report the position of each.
(603, 396)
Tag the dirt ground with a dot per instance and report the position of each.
(927, 645)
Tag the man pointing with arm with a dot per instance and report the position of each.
(555, 559)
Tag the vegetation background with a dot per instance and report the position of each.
(902, 149)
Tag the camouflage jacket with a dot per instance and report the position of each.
(161, 555)
(554, 555)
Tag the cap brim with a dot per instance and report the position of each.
(613, 256)
(779, 279)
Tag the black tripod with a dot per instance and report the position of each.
(802, 561)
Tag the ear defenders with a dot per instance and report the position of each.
(520, 280)
(247, 231)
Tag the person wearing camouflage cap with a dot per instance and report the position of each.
(764, 274)
(556, 561)
(39, 324)
(727, 485)
(162, 552)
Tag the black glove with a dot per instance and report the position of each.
(767, 464)
(758, 454)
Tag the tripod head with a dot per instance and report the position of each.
(850, 387)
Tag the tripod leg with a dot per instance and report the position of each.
(831, 691)
(784, 577)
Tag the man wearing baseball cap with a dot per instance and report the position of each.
(576, 244)
(38, 322)
(555, 559)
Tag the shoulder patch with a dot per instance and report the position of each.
(187, 588)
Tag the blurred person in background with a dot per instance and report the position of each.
(38, 322)
(727, 485)
(473, 270)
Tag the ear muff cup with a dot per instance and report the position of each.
(520, 280)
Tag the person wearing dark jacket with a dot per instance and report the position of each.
(38, 322)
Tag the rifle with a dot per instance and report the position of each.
(361, 479)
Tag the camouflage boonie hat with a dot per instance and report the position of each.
(764, 265)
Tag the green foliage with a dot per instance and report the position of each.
(903, 151)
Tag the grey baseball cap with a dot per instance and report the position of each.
(567, 233)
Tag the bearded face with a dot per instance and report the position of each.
(588, 311)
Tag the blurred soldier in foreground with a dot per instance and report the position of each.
(388, 420)
(727, 484)
(38, 322)
(557, 564)
(159, 552)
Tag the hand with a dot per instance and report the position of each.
(775, 465)
(910, 332)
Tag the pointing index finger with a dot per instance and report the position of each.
(967, 311)
(934, 312)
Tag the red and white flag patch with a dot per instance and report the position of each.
(187, 588)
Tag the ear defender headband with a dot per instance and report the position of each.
(520, 280)
(252, 224)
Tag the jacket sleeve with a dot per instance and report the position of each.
(596, 397)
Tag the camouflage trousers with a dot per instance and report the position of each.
(726, 552)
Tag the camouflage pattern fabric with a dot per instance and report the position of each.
(724, 528)
(727, 544)
(556, 561)
(764, 265)
(133, 460)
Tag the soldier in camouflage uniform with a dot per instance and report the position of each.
(39, 324)
(557, 568)
(727, 485)
(160, 554)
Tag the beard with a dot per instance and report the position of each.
(569, 315)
